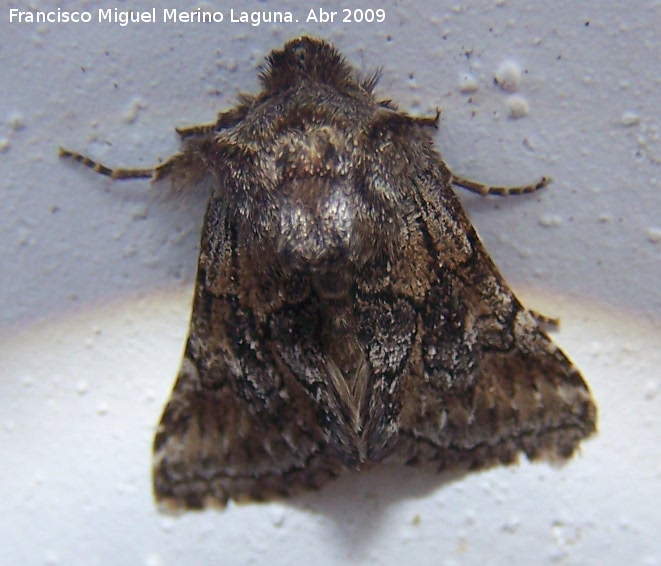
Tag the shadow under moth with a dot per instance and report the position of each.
(345, 311)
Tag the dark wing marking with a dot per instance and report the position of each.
(476, 379)
(246, 417)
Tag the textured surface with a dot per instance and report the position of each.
(83, 389)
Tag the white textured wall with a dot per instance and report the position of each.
(96, 280)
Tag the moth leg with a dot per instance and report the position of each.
(550, 321)
(429, 121)
(224, 120)
(113, 173)
(484, 190)
(199, 130)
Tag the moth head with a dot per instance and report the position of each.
(305, 58)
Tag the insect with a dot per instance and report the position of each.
(345, 311)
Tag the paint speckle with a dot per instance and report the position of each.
(651, 390)
(467, 83)
(654, 235)
(81, 387)
(511, 525)
(153, 560)
(167, 524)
(277, 518)
(630, 118)
(517, 106)
(16, 121)
(4, 144)
(508, 76)
(131, 115)
(550, 220)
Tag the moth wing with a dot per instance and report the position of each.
(471, 378)
(237, 425)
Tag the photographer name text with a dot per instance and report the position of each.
(125, 17)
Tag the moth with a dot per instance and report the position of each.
(345, 311)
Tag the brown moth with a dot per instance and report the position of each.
(345, 310)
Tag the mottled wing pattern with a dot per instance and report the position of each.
(462, 372)
(431, 359)
(345, 311)
(243, 420)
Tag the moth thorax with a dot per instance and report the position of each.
(319, 224)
